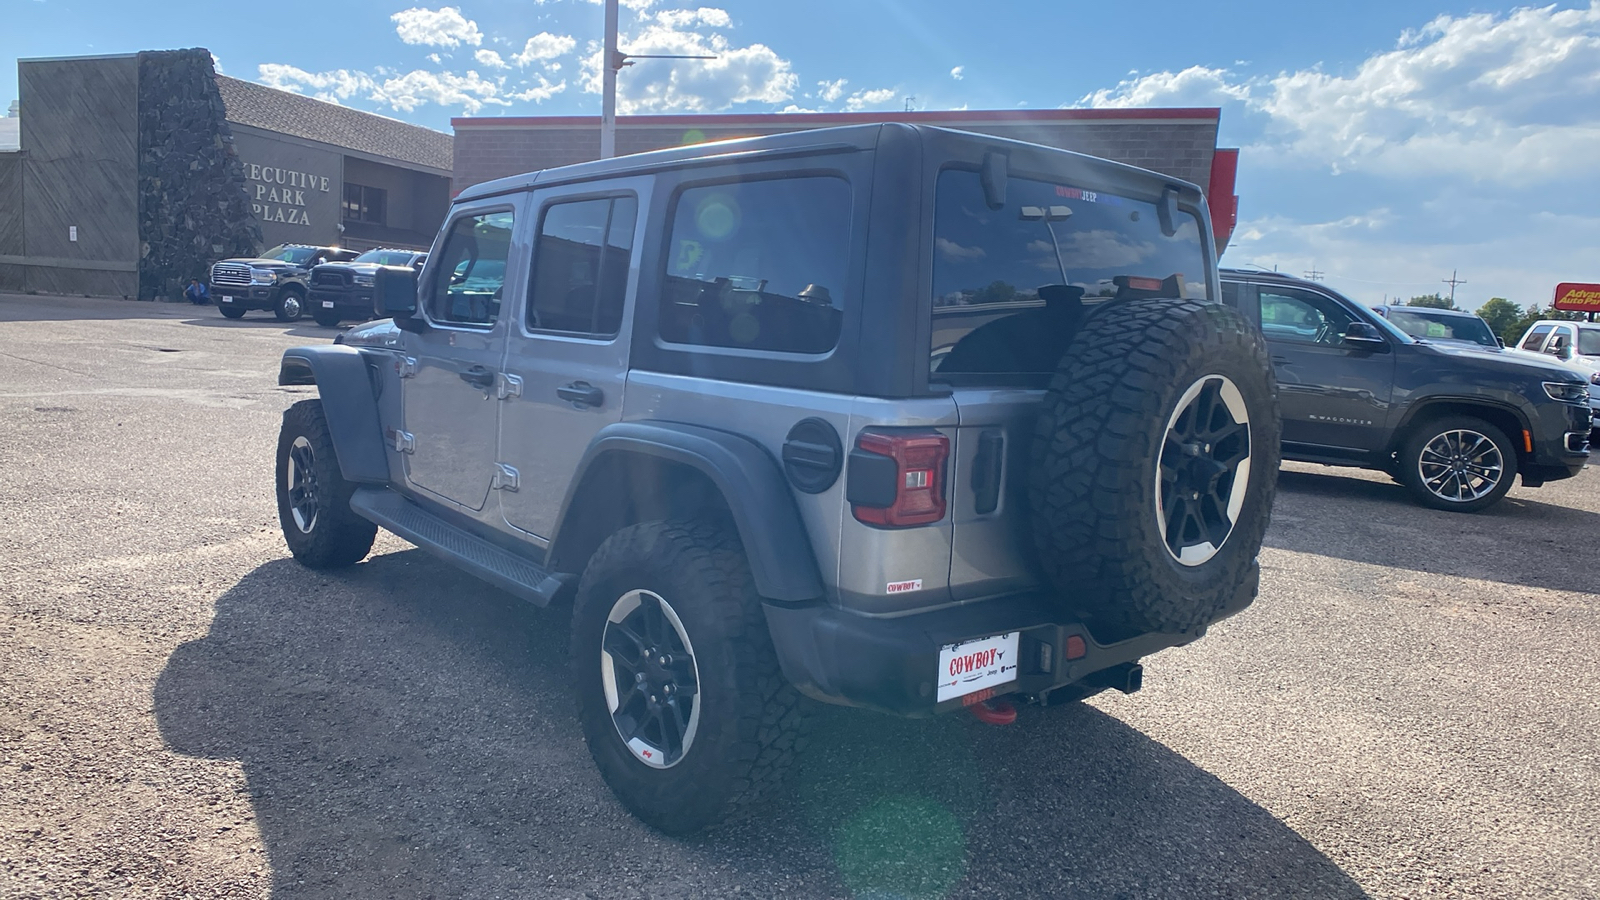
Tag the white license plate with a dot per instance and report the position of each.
(225, 298)
(971, 666)
(327, 304)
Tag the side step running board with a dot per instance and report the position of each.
(472, 554)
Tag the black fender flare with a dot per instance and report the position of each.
(1515, 407)
(340, 374)
(751, 483)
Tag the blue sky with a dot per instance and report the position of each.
(1384, 143)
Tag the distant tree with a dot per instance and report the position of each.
(1503, 316)
(996, 292)
(1432, 301)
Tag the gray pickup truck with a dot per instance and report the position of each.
(886, 416)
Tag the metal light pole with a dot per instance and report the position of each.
(1049, 215)
(612, 63)
(608, 85)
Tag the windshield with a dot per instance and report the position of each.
(1443, 327)
(1012, 285)
(386, 257)
(289, 254)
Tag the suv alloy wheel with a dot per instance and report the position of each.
(1458, 463)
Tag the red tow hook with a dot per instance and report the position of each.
(994, 711)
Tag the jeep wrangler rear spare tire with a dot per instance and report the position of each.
(682, 702)
(1155, 461)
(313, 498)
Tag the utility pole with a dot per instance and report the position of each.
(1312, 274)
(612, 63)
(1453, 281)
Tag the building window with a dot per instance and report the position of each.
(365, 204)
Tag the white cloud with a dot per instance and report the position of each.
(490, 58)
(1513, 99)
(340, 84)
(540, 92)
(216, 64)
(407, 92)
(955, 252)
(956, 72)
(688, 18)
(748, 74)
(443, 27)
(435, 58)
(626, 4)
(829, 91)
(862, 99)
(544, 46)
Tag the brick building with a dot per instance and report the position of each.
(1177, 142)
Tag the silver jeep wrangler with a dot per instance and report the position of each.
(886, 416)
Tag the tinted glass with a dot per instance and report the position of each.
(580, 266)
(294, 255)
(386, 257)
(1010, 285)
(1589, 341)
(471, 273)
(1439, 327)
(759, 265)
(1301, 317)
(1536, 337)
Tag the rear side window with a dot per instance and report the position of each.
(1012, 286)
(759, 265)
(580, 266)
(471, 271)
(1536, 337)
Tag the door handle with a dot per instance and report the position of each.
(581, 394)
(479, 377)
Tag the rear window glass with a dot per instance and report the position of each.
(1012, 286)
(759, 265)
(1432, 326)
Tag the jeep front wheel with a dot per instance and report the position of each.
(1154, 465)
(681, 699)
(1457, 463)
(313, 498)
(291, 305)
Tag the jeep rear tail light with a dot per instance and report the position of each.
(897, 477)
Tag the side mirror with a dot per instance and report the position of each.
(394, 295)
(1501, 340)
(1364, 336)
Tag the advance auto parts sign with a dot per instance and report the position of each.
(1578, 297)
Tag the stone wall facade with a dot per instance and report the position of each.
(194, 203)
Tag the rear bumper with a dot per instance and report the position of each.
(891, 665)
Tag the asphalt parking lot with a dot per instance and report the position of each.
(1407, 711)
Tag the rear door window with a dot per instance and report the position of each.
(580, 268)
(758, 265)
(1012, 286)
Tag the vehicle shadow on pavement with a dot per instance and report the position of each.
(406, 731)
(1367, 520)
(303, 328)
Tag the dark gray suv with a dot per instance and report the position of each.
(884, 416)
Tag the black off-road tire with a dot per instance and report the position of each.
(1422, 434)
(330, 535)
(751, 720)
(326, 318)
(1097, 465)
(230, 312)
(290, 305)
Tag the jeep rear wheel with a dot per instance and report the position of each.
(1457, 463)
(313, 498)
(681, 699)
(1154, 465)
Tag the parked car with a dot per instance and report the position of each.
(276, 280)
(1442, 326)
(1577, 344)
(1453, 421)
(703, 406)
(343, 290)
